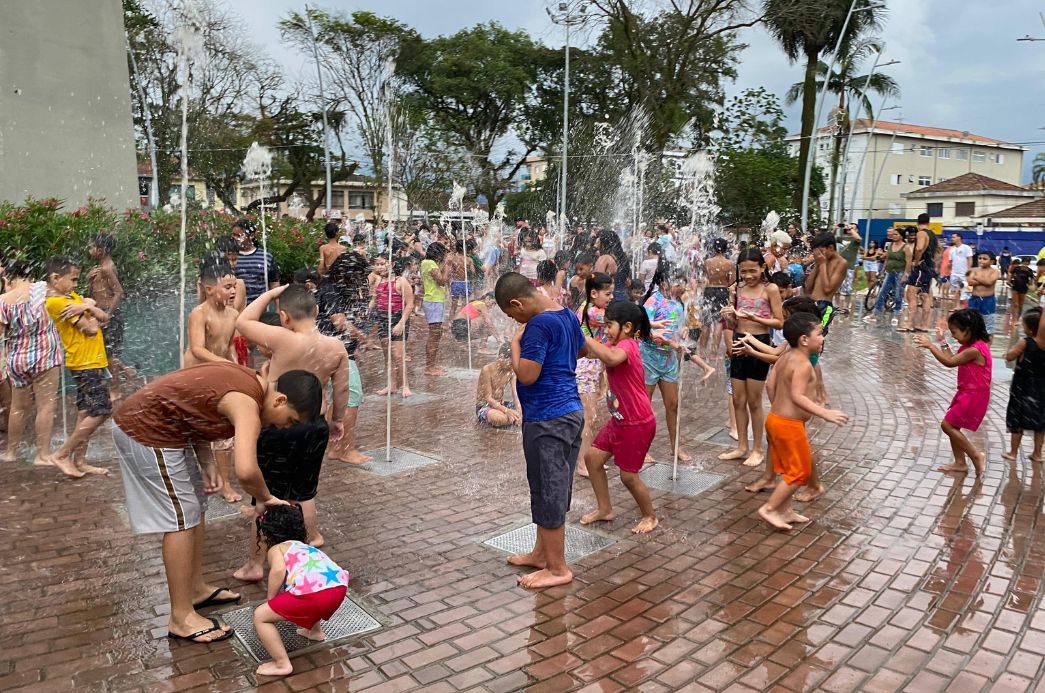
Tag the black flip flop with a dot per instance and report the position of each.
(213, 600)
(192, 638)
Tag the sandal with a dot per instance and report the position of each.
(206, 631)
(213, 600)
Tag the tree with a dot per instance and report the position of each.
(805, 29)
(848, 85)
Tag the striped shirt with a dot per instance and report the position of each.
(32, 341)
(250, 267)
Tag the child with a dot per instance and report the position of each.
(212, 326)
(434, 278)
(163, 433)
(791, 386)
(329, 251)
(598, 292)
(305, 586)
(981, 281)
(103, 283)
(1026, 410)
(530, 255)
(475, 313)
(79, 323)
(970, 402)
(581, 270)
(546, 274)
(32, 363)
(491, 407)
(1019, 282)
(1039, 283)
(756, 310)
(544, 358)
(392, 301)
(628, 434)
(308, 278)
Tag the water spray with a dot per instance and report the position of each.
(457, 202)
(257, 166)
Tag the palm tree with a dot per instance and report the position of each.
(848, 85)
(807, 28)
(1038, 172)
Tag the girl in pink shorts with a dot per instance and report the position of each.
(628, 434)
(304, 587)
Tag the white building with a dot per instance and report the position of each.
(966, 200)
(903, 158)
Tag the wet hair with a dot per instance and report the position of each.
(105, 242)
(247, 226)
(781, 279)
(622, 312)
(562, 259)
(753, 254)
(271, 319)
(19, 269)
(436, 251)
(585, 258)
(331, 230)
(654, 248)
(226, 244)
(504, 351)
(663, 228)
(546, 271)
(281, 523)
(720, 245)
(511, 286)
(306, 274)
(799, 325)
(58, 264)
(663, 273)
(297, 302)
(802, 304)
(349, 270)
(1032, 319)
(970, 320)
(989, 254)
(595, 281)
(824, 240)
(213, 267)
(609, 244)
(923, 218)
(303, 392)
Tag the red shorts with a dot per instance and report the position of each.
(628, 443)
(306, 610)
(239, 343)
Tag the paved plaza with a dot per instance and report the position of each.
(906, 579)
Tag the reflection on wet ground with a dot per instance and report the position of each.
(905, 579)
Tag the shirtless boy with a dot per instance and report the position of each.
(981, 280)
(490, 405)
(826, 275)
(721, 273)
(103, 283)
(329, 251)
(791, 386)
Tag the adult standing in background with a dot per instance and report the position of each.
(255, 267)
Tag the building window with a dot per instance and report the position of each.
(925, 180)
(337, 199)
(964, 209)
(895, 178)
(1001, 158)
(897, 148)
(993, 157)
(925, 150)
(961, 154)
(943, 153)
(934, 209)
(190, 192)
(362, 200)
(979, 157)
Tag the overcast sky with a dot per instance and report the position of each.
(961, 66)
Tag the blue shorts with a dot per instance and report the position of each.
(987, 305)
(461, 289)
(660, 365)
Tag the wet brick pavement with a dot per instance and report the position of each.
(906, 579)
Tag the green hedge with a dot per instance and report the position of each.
(146, 244)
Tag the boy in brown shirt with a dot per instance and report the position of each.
(163, 434)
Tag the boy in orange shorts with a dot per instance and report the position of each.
(791, 386)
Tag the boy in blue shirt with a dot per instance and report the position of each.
(544, 358)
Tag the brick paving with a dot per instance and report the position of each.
(906, 579)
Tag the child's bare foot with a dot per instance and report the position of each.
(582, 471)
(811, 493)
(313, 633)
(1035, 457)
(648, 460)
(230, 495)
(42, 461)
(317, 541)
(761, 485)
(91, 469)
(1011, 456)
(250, 573)
(67, 466)
(8, 457)
(979, 463)
(737, 454)
(708, 372)
(273, 669)
(955, 468)
(733, 434)
(384, 391)
(435, 371)
(353, 457)
(544, 578)
(773, 518)
(684, 456)
(755, 459)
(645, 525)
(597, 516)
(527, 559)
(796, 518)
(407, 392)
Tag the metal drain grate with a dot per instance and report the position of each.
(717, 436)
(688, 481)
(218, 509)
(579, 542)
(349, 621)
(401, 460)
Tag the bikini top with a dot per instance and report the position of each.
(756, 306)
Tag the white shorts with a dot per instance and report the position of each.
(163, 486)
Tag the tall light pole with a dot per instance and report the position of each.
(863, 158)
(818, 110)
(568, 17)
(323, 104)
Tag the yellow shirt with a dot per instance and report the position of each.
(434, 291)
(81, 352)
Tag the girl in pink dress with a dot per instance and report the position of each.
(969, 405)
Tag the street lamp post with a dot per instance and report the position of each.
(863, 158)
(818, 110)
(565, 16)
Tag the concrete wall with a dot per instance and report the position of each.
(65, 108)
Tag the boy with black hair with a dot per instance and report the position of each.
(162, 434)
(919, 298)
(329, 251)
(103, 283)
(544, 358)
(981, 281)
(230, 248)
(826, 275)
(79, 322)
(791, 388)
(256, 268)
